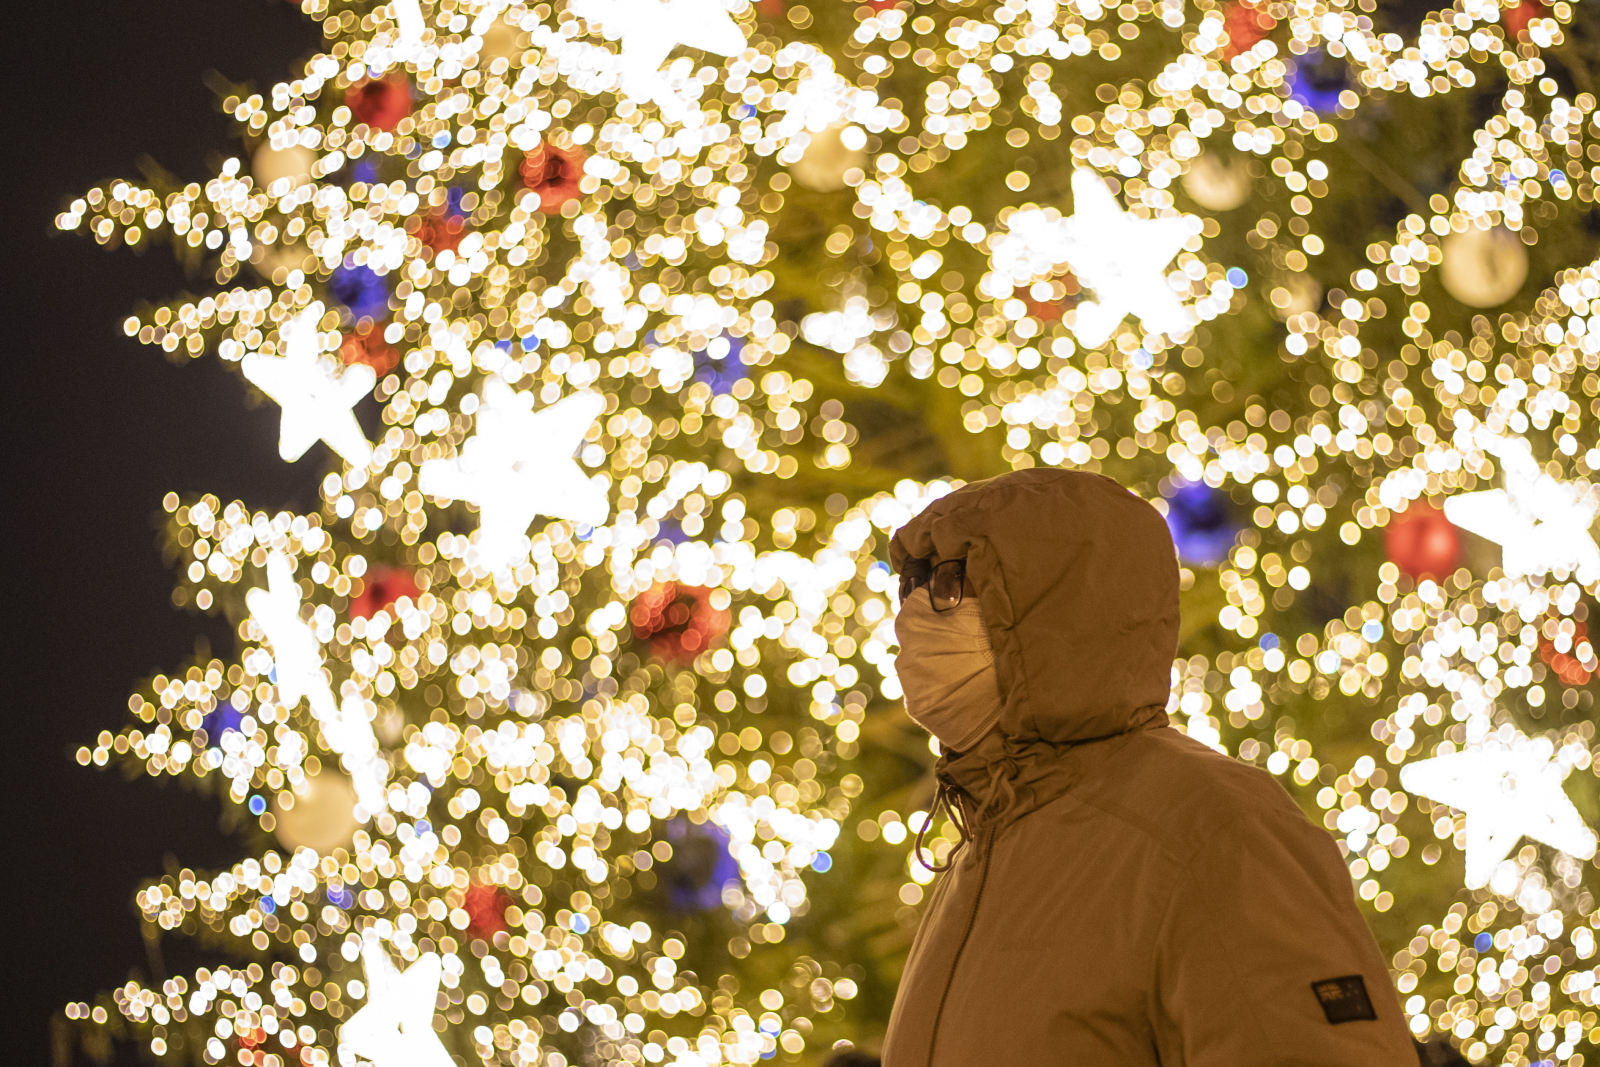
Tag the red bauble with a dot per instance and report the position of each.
(771, 8)
(365, 344)
(441, 231)
(1045, 310)
(1245, 25)
(382, 587)
(553, 173)
(1422, 542)
(380, 103)
(1516, 19)
(678, 621)
(486, 906)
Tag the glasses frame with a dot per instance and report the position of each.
(940, 578)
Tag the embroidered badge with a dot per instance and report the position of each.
(1344, 1000)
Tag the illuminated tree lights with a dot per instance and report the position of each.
(568, 720)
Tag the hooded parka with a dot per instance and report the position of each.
(1127, 896)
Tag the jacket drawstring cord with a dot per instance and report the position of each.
(949, 799)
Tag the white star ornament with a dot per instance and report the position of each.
(1507, 794)
(296, 653)
(395, 1027)
(297, 659)
(1540, 523)
(520, 465)
(1122, 259)
(650, 29)
(317, 401)
(408, 20)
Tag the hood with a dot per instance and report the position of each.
(1078, 583)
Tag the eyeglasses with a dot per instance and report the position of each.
(945, 581)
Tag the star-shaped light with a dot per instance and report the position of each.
(296, 653)
(518, 465)
(297, 661)
(408, 20)
(1123, 260)
(316, 400)
(1507, 793)
(651, 29)
(1540, 523)
(395, 1027)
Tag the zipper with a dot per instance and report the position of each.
(955, 963)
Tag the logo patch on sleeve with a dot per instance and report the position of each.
(1344, 1000)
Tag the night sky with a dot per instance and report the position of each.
(97, 429)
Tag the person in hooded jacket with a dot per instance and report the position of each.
(1125, 896)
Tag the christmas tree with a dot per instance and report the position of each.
(569, 720)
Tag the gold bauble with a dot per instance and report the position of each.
(1303, 294)
(1483, 268)
(323, 815)
(830, 155)
(272, 164)
(1215, 185)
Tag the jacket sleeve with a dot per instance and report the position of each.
(1265, 961)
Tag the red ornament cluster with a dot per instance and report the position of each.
(440, 230)
(1422, 542)
(486, 906)
(382, 587)
(553, 173)
(380, 102)
(1568, 666)
(365, 344)
(678, 621)
(1246, 25)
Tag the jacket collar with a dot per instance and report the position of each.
(1003, 777)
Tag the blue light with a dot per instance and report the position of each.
(441, 138)
(1269, 641)
(580, 924)
(1482, 942)
(258, 804)
(1143, 360)
(1372, 629)
(744, 111)
(1237, 278)
(423, 826)
(268, 905)
(1202, 523)
(821, 862)
(360, 289)
(529, 343)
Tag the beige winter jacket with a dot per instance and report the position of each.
(1128, 897)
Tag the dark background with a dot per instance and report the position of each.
(97, 429)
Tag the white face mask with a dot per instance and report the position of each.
(946, 669)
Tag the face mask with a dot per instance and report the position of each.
(946, 668)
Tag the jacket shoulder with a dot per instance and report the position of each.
(1181, 793)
